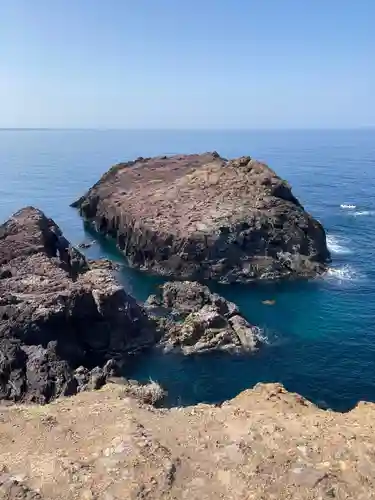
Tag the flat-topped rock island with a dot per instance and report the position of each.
(202, 217)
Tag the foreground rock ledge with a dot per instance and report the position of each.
(61, 319)
(203, 217)
(264, 444)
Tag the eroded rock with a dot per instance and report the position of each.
(266, 443)
(195, 320)
(57, 312)
(203, 217)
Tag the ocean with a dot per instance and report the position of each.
(320, 334)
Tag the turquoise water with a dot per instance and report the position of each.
(321, 334)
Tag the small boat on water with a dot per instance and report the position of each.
(349, 207)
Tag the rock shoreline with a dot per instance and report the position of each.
(67, 325)
(58, 313)
(202, 217)
(67, 328)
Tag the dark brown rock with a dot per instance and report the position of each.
(58, 312)
(203, 217)
(184, 297)
(194, 320)
(104, 264)
(86, 244)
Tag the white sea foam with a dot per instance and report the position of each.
(344, 273)
(348, 206)
(336, 245)
(363, 213)
(262, 335)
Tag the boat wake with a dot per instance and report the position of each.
(351, 208)
(363, 213)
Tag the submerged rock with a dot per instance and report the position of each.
(86, 244)
(195, 320)
(269, 302)
(58, 312)
(203, 217)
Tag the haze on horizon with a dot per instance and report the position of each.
(197, 64)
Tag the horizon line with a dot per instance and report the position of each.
(187, 129)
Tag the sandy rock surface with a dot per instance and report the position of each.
(264, 444)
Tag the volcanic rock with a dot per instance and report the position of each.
(58, 312)
(202, 217)
(194, 320)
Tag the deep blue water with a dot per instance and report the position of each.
(321, 334)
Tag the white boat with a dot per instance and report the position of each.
(350, 207)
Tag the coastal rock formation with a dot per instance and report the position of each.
(195, 320)
(58, 312)
(203, 217)
(264, 444)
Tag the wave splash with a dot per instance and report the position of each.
(262, 335)
(344, 273)
(335, 245)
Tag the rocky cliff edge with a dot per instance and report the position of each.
(264, 444)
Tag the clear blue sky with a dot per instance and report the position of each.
(187, 63)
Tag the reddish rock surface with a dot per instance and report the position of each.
(203, 217)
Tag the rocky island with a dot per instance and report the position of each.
(202, 217)
(194, 320)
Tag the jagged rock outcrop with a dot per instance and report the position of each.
(58, 312)
(194, 320)
(264, 444)
(203, 217)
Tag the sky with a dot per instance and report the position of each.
(240, 64)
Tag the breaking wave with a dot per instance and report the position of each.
(343, 273)
(336, 246)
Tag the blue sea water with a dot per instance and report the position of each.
(321, 333)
